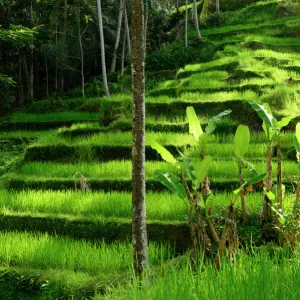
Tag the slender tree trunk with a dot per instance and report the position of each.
(81, 53)
(196, 21)
(31, 88)
(123, 50)
(64, 38)
(56, 43)
(47, 78)
(102, 44)
(127, 31)
(139, 227)
(186, 22)
(20, 82)
(177, 7)
(218, 7)
(25, 68)
(114, 59)
(146, 24)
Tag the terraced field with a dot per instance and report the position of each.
(48, 222)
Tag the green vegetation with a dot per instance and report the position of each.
(220, 126)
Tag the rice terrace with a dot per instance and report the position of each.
(150, 149)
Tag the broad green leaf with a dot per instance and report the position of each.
(241, 140)
(270, 194)
(194, 124)
(263, 113)
(202, 170)
(251, 181)
(165, 154)
(171, 182)
(298, 132)
(296, 143)
(285, 121)
(189, 168)
(208, 200)
(212, 123)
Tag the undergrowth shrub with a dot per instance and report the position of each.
(288, 8)
(281, 96)
(176, 55)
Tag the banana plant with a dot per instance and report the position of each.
(272, 129)
(201, 136)
(229, 233)
(179, 184)
(241, 145)
(296, 144)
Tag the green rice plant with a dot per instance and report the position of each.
(218, 97)
(121, 170)
(53, 117)
(265, 274)
(42, 251)
(99, 205)
(116, 139)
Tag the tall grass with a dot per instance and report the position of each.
(258, 276)
(121, 170)
(116, 139)
(54, 117)
(42, 251)
(98, 205)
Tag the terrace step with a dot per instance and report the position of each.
(20, 183)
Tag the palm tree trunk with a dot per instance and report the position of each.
(102, 44)
(81, 54)
(218, 7)
(123, 49)
(196, 21)
(47, 78)
(31, 93)
(127, 31)
(64, 38)
(114, 59)
(139, 228)
(186, 22)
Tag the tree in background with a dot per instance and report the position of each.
(102, 44)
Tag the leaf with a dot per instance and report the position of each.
(189, 168)
(165, 154)
(194, 124)
(298, 132)
(263, 113)
(296, 143)
(241, 140)
(285, 121)
(208, 200)
(270, 194)
(251, 181)
(212, 217)
(210, 128)
(172, 182)
(202, 170)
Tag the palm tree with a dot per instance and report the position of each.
(196, 21)
(102, 45)
(120, 17)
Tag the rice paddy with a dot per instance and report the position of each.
(43, 147)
